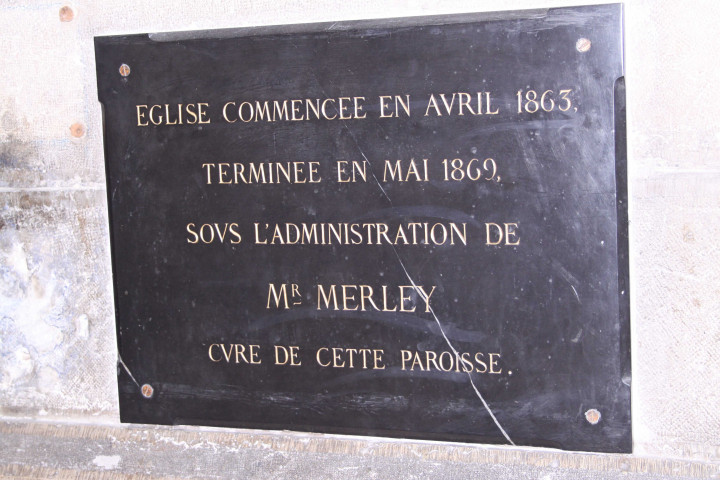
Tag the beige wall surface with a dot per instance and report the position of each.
(57, 334)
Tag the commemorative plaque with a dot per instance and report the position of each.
(409, 228)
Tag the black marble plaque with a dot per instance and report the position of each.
(407, 228)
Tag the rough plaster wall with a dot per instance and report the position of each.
(674, 170)
(56, 324)
(57, 344)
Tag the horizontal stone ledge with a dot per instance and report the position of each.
(30, 449)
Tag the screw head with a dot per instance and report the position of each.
(583, 45)
(66, 14)
(124, 70)
(592, 416)
(77, 130)
(147, 391)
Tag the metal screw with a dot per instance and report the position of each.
(583, 45)
(77, 130)
(124, 69)
(66, 14)
(592, 416)
(147, 391)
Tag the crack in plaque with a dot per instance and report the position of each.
(426, 298)
(120, 360)
(452, 347)
(576, 294)
(407, 274)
